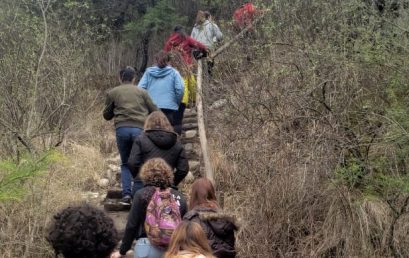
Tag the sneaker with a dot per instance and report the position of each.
(126, 200)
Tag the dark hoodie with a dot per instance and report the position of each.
(219, 228)
(159, 144)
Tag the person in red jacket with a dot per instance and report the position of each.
(244, 16)
(183, 43)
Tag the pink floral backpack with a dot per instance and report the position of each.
(162, 217)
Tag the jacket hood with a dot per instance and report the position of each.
(221, 222)
(162, 139)
(157, 72)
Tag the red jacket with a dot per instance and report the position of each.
(244, 16)
(183, 45)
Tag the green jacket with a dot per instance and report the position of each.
(128, 105)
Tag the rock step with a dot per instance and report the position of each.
(114, 193)
(190, 112)
(192, 155)
(189, 120)
(114, 205)
(120, 218)
(189, 126)
(190, 140)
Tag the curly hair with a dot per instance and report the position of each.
(156, 172)
(157, 120)
(82, 231)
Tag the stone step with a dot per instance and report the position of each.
(190, 113)
(120, 218)
(190, 134)
(114, 205)
(190, 140)
(189, 126)
(192, 155)
(114, 193)
(189, 120)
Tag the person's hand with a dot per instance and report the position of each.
(116, 254)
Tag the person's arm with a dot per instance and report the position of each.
(109, 108)
(182, 167)
(143, 83)
(179, 86)
(182, 202)
(135, 159)
(149, 103)
(194, 32)
(133, 223)
(196, 44)
(216, 32)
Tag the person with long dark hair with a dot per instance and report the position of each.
(219, 227)
(184, 44)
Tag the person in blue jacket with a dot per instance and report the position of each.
(164, 85)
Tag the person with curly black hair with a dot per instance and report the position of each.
(82, 231)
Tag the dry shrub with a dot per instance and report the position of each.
(305, 132)
(23, 225)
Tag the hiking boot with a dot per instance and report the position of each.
(126, 200)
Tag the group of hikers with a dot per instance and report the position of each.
(148, 122)
(148, 117)
(160, 220)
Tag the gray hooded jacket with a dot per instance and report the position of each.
(207, 33)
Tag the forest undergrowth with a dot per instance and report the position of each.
(312, 143)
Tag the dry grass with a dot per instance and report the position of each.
(276, 149)
(23, 225)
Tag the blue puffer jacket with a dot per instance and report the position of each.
(164, 86)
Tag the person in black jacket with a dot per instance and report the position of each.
(154, 173)
(158, 141)
(218, 226)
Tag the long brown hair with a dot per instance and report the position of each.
(189, 236)
(162, 59)
(203, 194)
(200, 17)
(157, 121)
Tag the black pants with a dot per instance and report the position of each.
(178, 118)
(170, 114)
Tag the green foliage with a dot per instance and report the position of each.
(13, 176)
(159, 18)
(351, 174)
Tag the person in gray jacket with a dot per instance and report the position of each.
(205, 31)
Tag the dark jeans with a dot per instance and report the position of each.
(178, 118)
(125, 137)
